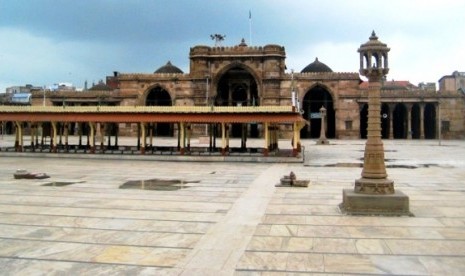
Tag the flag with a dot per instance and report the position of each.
(250, 14)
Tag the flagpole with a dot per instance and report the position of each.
(250, 28)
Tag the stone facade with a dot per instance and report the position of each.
(253, 76)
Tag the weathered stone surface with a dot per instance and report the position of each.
(396, 204)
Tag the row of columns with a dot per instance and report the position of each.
(409, 120)
(56, 135)
(271, 136)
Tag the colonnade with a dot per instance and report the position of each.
(409, 120)
(96, 130)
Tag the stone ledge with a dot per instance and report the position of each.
(396, 204)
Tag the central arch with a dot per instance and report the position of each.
(313, 100)
(158, 96)
(238, 87)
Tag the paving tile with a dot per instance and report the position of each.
(233, 221)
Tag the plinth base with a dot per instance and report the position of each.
(396, 204)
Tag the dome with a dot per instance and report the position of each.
(316, 67)
(169, 68)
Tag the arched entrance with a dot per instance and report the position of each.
(430, 121)
(238, 87)
(416, 121)
(400, 121)
(364, 121)
(385, 121)
(313, 100)
(158, 96)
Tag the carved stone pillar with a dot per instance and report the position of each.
(374, 193)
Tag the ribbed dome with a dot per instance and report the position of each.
(169, 68)
(316, 67)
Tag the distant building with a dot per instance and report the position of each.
(427, 86)
(453, 82)
(62, 86)
(28, 88)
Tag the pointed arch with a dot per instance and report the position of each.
(158, 96)
(317, 96)
(220, 74)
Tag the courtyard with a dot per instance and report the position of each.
(228, 218)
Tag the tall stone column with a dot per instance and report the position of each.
(409, 121)
(374, 193)
(422, 121)
(391, 121)
(323, 140)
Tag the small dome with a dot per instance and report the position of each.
(169, 68)
(316, 67)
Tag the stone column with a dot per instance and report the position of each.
(267, 141)
(144, 138)
(322, 140)
(91, 139)
(391, 121)
(19, 137)
(422, 121)
(374, 193)
(409, 121)
(182, 137)
(53, 142)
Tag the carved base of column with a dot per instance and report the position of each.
(396, 204)
(381, 186)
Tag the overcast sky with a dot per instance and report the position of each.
(43, 42)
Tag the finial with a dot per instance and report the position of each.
(373, 35)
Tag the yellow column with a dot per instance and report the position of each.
(267, 141)
(19, 137)
(295, 139)
(53, 144)
(182, 135)
(144, 138)
(92, 137)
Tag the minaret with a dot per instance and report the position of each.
(374, 193)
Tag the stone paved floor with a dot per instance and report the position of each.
(230, 219)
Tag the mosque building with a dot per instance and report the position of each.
(243, 75)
